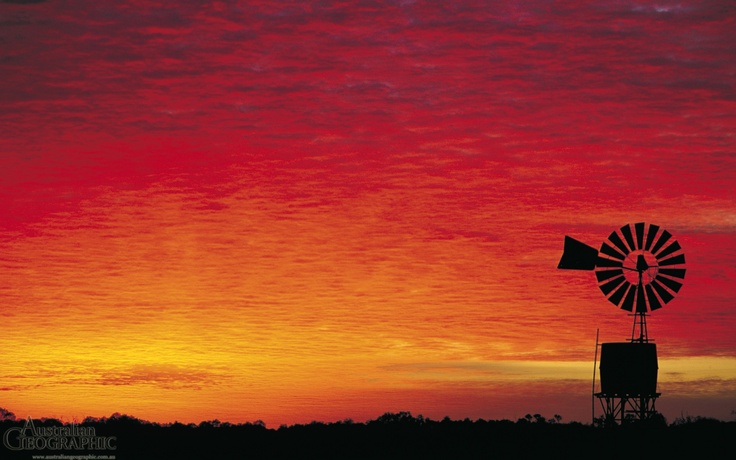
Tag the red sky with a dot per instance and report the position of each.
(292, 211)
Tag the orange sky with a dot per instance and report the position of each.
(277, 213)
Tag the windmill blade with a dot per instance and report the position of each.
(675, 246)
(662, 240)
(609, 251)
(619, 294)
(672, 284)
(603, 262)
(673, 272)
(653, 229)
(639, 228)
(603, 275)
(628, 303)
(663, 293)
(611, 285)
(677, 260)
(616, 240)
(626, 231)
(654, 303)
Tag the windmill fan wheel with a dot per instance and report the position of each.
(640, 267)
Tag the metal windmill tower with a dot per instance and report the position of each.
(638, 271)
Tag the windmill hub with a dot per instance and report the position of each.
(644, 271)
(641, 263)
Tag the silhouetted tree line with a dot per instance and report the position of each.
(398, 436)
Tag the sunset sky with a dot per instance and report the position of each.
(297, 211)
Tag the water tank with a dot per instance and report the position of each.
(628, 368)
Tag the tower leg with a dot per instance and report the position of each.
(618, 410)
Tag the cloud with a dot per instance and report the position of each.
(162, 375)
(209, 205)
(463, 234)
(497, 371)
(701, 388)
(531, 73)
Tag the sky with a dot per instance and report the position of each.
(293, 211)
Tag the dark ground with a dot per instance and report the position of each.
(397, 436)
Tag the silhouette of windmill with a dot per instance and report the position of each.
(638, 271)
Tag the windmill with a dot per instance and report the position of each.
(639, 268)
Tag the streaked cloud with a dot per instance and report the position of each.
(160, 375)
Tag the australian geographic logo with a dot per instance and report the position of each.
(71, 437)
